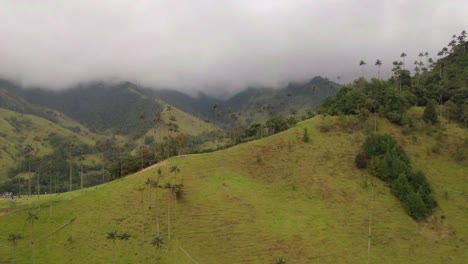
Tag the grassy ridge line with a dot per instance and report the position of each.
(188, 124)
(305, 202)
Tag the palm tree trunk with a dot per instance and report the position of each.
(50, 194)
(14, 253)
(169, 219)
(70, 177)
(32, 243)
(29, 175)
(81, 175)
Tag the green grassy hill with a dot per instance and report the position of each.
(18, 130)
(252, 203)
(187, 124)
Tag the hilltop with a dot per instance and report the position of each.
(274, 197)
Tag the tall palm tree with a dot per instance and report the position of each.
(70, 146)
(32, 218)
(28, 152)
(158, 242)
(426, 54)
(461, 40)
(125, 236)
(378, 63)
(403, 56)
(362, 64)
(430, 61)
(113, 236)
(417, 70)
(420, 56)
(50, 169)
(175, 170)
(38, 190)
(14, 238)
(81, 158)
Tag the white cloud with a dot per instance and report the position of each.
(209, 44)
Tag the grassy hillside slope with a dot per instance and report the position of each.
(187, 123)
(17, 130)
(305, 202)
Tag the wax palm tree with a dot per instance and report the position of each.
(403, 56)
(430, 61)
(125, 236)
(81, 158)
(461, 41)
(50, 169)
(38, 191)
(452, 45)
(175, 170)
(158, 242)
(378, 63)
(421, 55)
(28, 152)
(70, 147)
(362, 64)
(14, 238)
(113, 236)
(32, 218)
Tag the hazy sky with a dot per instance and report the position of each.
(214, 44)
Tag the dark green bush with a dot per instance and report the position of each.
(361, 160)
(389, 162)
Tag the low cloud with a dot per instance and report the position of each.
(214, 45)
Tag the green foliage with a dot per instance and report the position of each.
(363, 97)
(460, 154)
(437, 82)
(305, 136)
(430, 115)
(390, 163)
(277, 124)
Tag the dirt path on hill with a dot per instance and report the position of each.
(159, 164)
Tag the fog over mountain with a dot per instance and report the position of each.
(213, 45)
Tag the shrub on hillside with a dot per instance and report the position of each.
(305, 136)
(430, 115)
(361, 160)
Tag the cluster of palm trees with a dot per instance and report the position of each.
(458, 43)
(378, 63)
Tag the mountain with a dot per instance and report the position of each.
(99, 106)
(126, 108)
(273, 198)
(295, 97)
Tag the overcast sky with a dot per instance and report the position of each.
(213, 44)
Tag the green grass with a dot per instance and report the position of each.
(257, 201)
(188, 124)
(13, 138)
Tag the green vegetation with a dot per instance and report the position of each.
(389, 162)
(302, 201)
(26, 137)
(440, 81)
